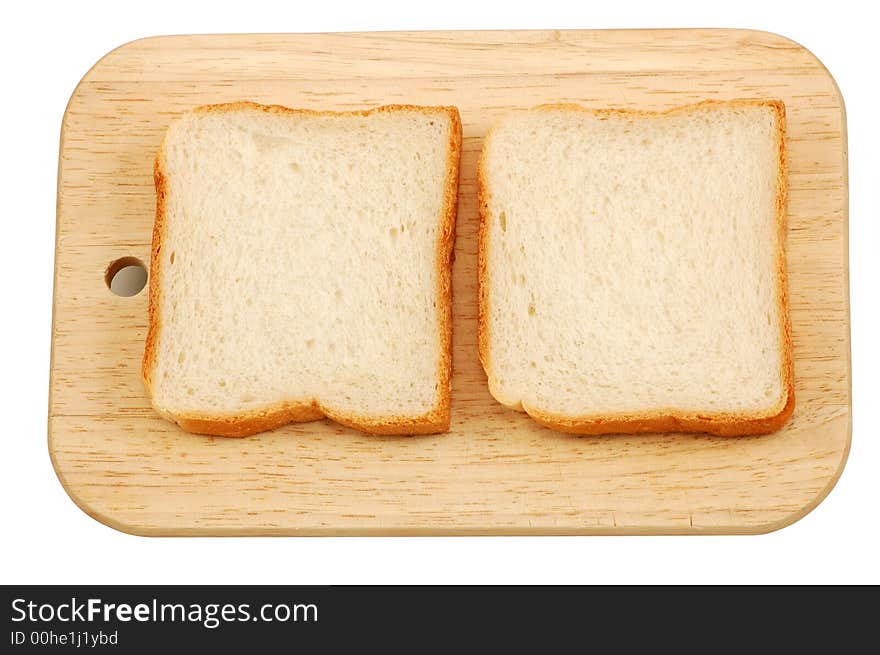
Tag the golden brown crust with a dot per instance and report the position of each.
(250, 422)
(247, 423)
(482, 258)
(671, 420)
(150, 346)
(721, 424)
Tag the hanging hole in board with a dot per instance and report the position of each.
(126, 276)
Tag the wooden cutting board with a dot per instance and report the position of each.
(496, 471)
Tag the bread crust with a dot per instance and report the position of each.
(671, 419)
(250, 422)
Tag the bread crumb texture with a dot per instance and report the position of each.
(632, 267)
(300, 268)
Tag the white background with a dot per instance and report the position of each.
(46, 539)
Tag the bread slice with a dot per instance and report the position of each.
(632, 268)
(301, 268)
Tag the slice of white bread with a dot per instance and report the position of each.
(301, 268)
(632, 268)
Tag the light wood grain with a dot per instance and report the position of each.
(496, 471)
